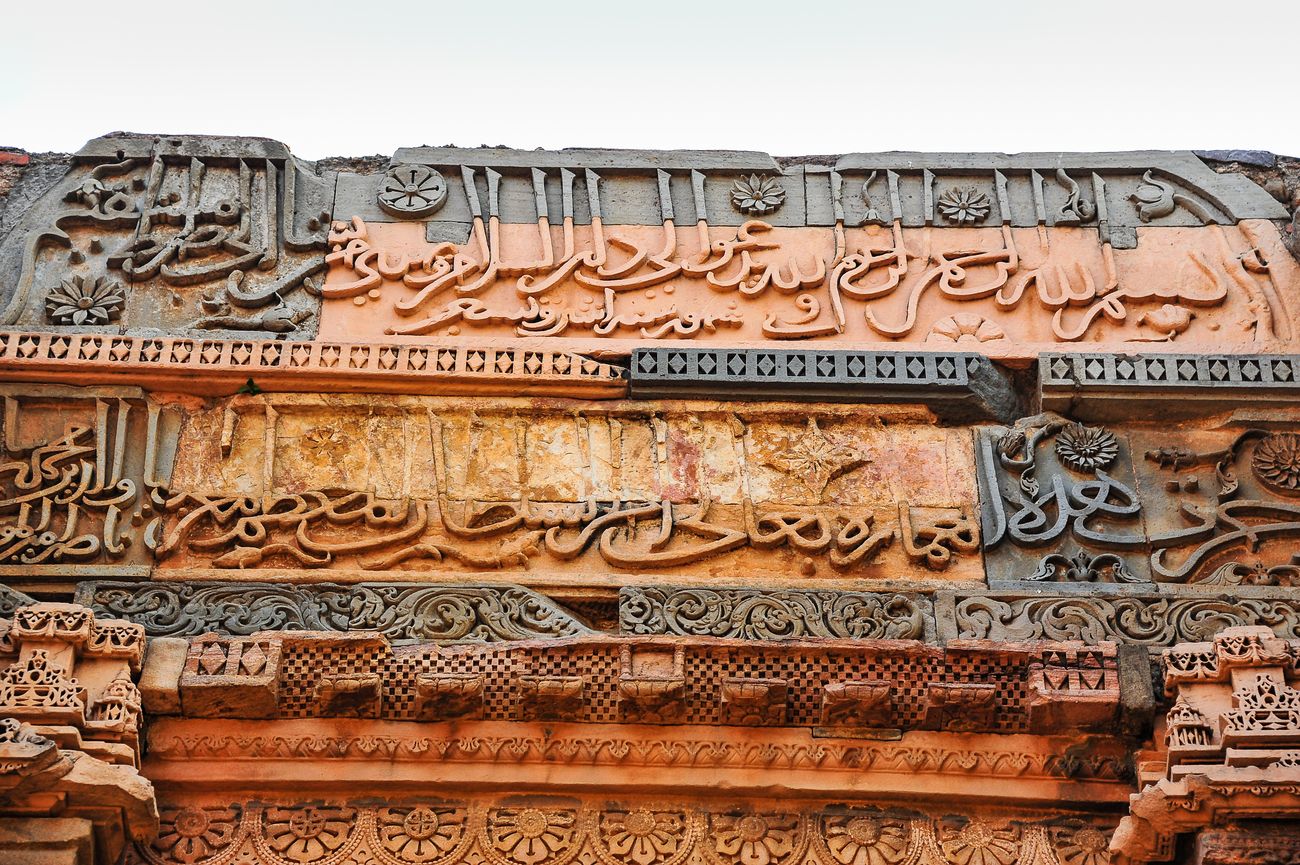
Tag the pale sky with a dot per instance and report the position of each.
(790, 78)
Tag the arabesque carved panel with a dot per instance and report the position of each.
(1065, 501)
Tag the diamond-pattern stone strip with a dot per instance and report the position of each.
(1171, 370)
(955, 384)
(217, 366)
(1200, 382)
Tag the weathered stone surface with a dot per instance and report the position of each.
(161, 673)
(172, 233)
(572, 492)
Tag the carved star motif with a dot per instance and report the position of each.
(814, 459)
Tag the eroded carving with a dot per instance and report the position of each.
(175, 232)
(510, 484)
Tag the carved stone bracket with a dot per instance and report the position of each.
(70, 721)
(1231, 745)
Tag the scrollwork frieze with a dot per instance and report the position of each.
(774, 615)
(401, 612)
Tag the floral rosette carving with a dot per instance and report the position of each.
(1276, 462)
(863, 839)
(756, 839)
(978, 843)
(1086, 448)
(195, 835)
(85, 300)
(531, 835)
(644, 836)
(412, 191)
(757, 194)
(307, 835)
(1079, 843)
(964, 205)
(421, 834)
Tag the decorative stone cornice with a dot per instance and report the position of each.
(1041, 688)
(956, 385)
(1100, 385)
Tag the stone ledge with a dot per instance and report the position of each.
(222, 366)
(956, 385)
(1099, 385)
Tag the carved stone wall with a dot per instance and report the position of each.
(172, 233)
(646, 508)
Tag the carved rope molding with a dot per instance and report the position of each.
(219, 366)
(401, 612)
(523, 831)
